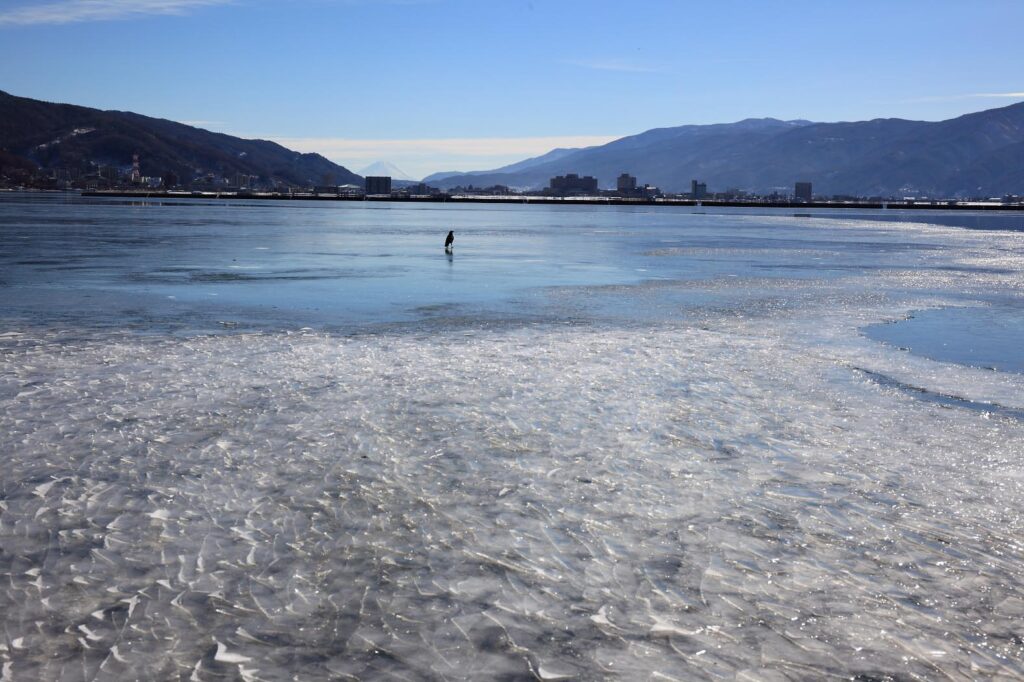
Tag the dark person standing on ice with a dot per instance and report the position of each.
(449, 242)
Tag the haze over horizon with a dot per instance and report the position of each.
(442, 85)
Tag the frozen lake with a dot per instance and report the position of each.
(264, 440)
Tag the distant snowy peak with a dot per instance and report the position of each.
(386, 168)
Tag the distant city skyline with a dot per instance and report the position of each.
(444, 85)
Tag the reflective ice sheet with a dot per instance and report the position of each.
(659, 478)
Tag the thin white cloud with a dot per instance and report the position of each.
(619, 65)
(977, 95)
(420, 157)
(73, 11)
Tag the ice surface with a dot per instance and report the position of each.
(723, 492)
(555, 502)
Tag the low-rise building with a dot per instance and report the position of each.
(571, 183)
(378, 184)
(802, 191)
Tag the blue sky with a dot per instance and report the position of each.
(472, 84)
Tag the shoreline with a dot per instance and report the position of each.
(566, 201)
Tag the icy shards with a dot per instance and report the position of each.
(542, 502)
(728, 498)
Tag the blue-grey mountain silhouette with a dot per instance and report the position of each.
(47, 135)
(978, 154)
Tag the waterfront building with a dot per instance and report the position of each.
(419, 189)
(698, 190)
(245, 181)
(136, 173)
(378, 184)
(571, 183)
(802, 191)
(626, 183)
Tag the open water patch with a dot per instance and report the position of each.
(988, 337)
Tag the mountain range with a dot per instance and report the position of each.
(552, 155)
(979, 154)
(386, 168)
(48, 135)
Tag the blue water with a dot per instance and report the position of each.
(280, 264)
(205, 265)
(990, 337)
